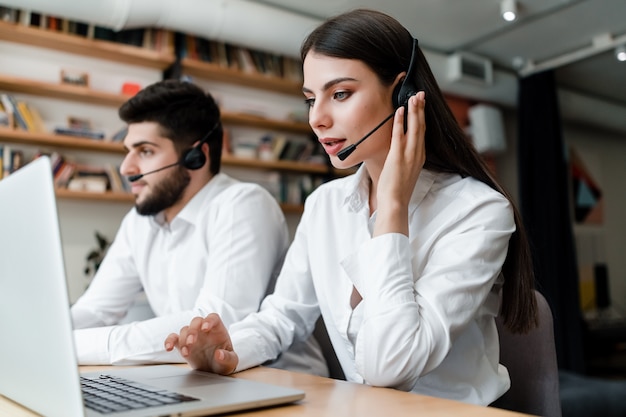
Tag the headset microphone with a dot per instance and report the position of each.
(192, 159)
(345, 152)
(400, 97)
(133, 178)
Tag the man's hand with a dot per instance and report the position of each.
(205, 344)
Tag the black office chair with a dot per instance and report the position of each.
(531, 361)
(334, 368)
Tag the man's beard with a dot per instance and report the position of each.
(165, 194)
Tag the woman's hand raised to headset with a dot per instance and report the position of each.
(405, 160)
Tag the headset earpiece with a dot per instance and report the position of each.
(194, 158)
(407, 87)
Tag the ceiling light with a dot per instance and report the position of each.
(508, 9)
(620, 53)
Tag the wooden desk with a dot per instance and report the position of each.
(329, 397)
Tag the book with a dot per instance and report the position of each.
(4, 116)
(92, 184)
(27, 116)
(115, 179)
(6, 161)
(24, 17)
(245, 60)
(40, 126)
(64, 174)
(89, 178)
(102, 33)
(278, 145)
(17, 160)
(132, 37)
(8, 110)
(20, 121)
(78, 132)
(8, 14)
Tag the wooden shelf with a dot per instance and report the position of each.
(59, 141)
(285, 166)
(243, 119)
(111, 51)
(134, 55)
(88, 95)
(127, 54)
(94, 196)
(86, 144)
(117, 197)
(61, 91)
(216, 72)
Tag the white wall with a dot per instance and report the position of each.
(79, 219)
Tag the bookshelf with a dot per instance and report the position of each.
(70, 142)
(215, 72)
(95, 48)
(143, 57)
(60, 91)
(111, 196)
(88, 95)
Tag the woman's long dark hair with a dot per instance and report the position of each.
(383, 44)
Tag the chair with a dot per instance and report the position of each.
(334, 368)
(531, 361)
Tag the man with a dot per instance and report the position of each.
(196, 242)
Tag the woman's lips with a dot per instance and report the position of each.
(332, 146)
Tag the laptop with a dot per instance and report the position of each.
(38, 365)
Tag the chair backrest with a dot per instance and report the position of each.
(531, 361)
(334, 368)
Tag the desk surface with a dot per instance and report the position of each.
(329, 397)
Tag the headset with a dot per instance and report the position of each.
(192, 158)
(408, 87)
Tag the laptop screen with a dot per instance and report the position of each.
(39, 368)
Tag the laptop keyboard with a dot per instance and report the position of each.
(108, 394)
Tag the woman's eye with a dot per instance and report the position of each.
(341, 95)
(309, 102)
(146, 152)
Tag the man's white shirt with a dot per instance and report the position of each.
(217, 255)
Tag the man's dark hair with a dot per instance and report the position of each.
(184, 113)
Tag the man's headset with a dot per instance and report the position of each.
(193, 158)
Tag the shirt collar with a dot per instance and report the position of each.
(357, 187)
(192, 209)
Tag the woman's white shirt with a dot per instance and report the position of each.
(426, 321)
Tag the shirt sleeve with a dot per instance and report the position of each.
(287, 315)
(114, 287)
(410, 321)
(246, 241)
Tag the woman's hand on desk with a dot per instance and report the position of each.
(205, 344)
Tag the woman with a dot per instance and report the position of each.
(410, 259)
